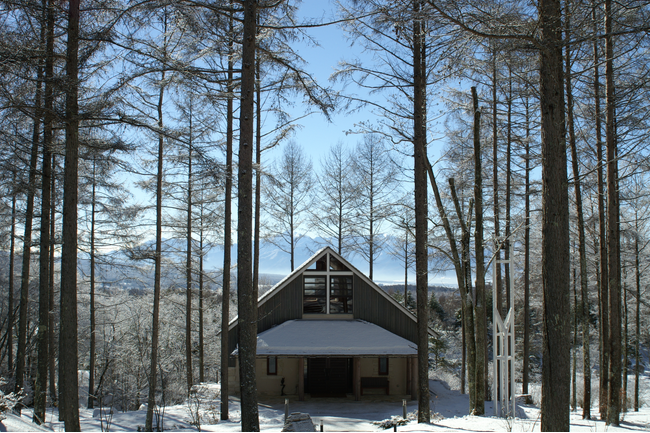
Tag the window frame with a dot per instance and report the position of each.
(325, 288)
(269, 372)
(349, 297)
(327, 273)
(379, 370)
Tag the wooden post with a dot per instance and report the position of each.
(414, 378)
(301, 379)
(408, 388)
(356, 378)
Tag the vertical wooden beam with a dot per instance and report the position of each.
(414, 378)
(356, 378)
(301, 379)
(409, 385)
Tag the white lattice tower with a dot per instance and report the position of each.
(503, 344)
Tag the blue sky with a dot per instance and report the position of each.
(317, 134)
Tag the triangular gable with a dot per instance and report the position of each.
(299, 270)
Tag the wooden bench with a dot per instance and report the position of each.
(374, 382)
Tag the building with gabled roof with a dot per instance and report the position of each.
(328, 330)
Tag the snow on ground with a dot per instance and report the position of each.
(336, 415)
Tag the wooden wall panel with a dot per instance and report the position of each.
(284, 305)
(375, 308)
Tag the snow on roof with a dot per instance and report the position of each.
(331, 338)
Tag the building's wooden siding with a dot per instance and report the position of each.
(284, 305)
(374, 308)
(368, 305)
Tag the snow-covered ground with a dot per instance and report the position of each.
(335, 414)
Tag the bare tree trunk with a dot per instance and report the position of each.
(466, 296)
(10, 300)
(153, 366)
(526, 349)
(201, 342)
(603, 292)
(508, 192)
(258, 178)
(52, 346)
(225, 285)
(637, 331)
(556, 347)
(68, 357)
(27, 242)
(93, 339)
(582, 242)
(460, 271)
(292, 254)
(40, 388)
(480, 306)
(463, 356)
(406, 263)
(613, 243)
(188, 266)
(421, 214)
(574, 400)
(496, 285)
(371, 232)
(626, 359)
(247, 293)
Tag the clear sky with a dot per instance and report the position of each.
(317, 134)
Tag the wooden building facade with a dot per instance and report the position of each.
(328, 330)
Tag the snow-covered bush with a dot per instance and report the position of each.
(396, 420)
(7, 401)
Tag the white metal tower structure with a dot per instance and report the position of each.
(503, 344)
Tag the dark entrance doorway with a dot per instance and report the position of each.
(329, 377)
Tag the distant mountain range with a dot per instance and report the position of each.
(274, 265)
(388, 269)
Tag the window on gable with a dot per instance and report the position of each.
(336, 265)
(319, 265)
(340, 295)
(315, 295)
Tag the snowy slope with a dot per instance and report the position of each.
(339, 415)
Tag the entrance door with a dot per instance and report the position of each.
(328, 377)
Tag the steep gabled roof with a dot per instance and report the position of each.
(300, 269)
(332, 338)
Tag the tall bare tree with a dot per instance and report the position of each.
(421, 209)
(40, 391)
(247, 293)
(227, 226)
(164, 53)
(68, 356)
(583, 308)
(480, 304)
(289, 196)
(333, 218)
(21, 350)
(555, 225)
(375, 175)
(613, 232)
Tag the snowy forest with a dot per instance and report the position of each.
(138, 136)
